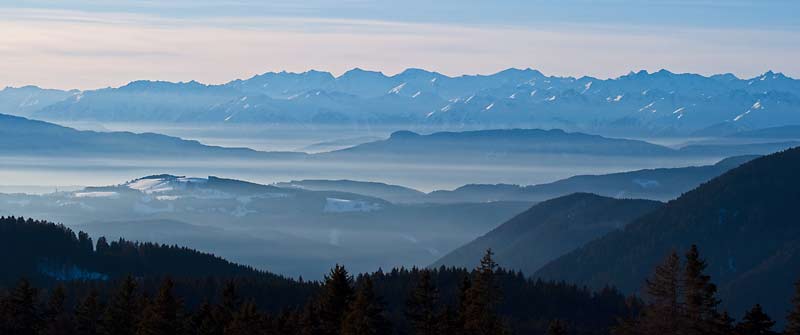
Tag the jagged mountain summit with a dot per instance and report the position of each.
(640, 102)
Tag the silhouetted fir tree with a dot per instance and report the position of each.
(309, 321)
(755, 322)
(629, 324)
(56, 319)
(20, 314)
(662, 313)
(724, 324)
(203, 322)
(286, 323)
(229, 306)
(102, 245)
(448, 322)
(246, 321)
(334, 300)
(366, 315)
(793, 319)
(162, 315)
(463, 302)
(85, 242)
(123, 312)
(480, 317)
(88, 314)
(557, 327)
(700, 301)
(421, 307)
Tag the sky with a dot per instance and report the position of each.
(87, 44)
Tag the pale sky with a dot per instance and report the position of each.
(98, 43)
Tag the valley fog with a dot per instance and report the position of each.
(37, 175)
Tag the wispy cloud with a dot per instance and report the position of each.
(84, 49)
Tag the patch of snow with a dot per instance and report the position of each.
(397, 89)
(148, 186)
(334, 205)
(96, 194)
(740, 116)
(650, 105)
(587, 87)
(28, 102)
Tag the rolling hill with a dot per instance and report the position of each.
(549, 230)
(744, 223)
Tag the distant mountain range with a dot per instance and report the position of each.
(549, 230)
(656, 184)
(536, 147)
(659, 103)
(23, 101)
(25, 137)
(744, 223)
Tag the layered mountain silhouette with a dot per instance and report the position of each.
(549, 230)
(26, 137)
(290, 230)
(660, 184)
(744, 223)
(656, 184)
(656, 103)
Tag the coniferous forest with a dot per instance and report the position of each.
(165, 292)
